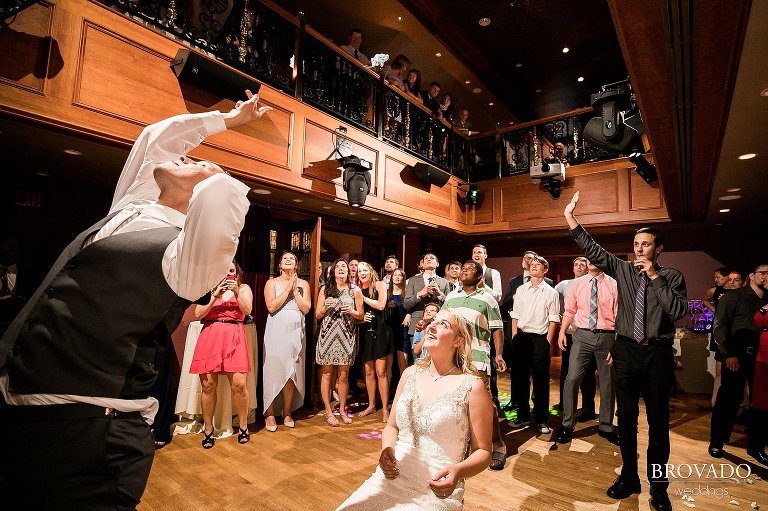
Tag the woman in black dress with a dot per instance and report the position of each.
(376, 340)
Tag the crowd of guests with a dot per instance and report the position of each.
(398, 73)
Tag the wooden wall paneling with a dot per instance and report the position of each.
(30, 52)
(404, 188)
(643, 195)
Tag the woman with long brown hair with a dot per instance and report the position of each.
(339, 307)
(376, 339)
(287, 298)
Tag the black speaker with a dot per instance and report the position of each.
(430, 174)
(211, 76)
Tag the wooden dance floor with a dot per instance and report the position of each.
(315, 467)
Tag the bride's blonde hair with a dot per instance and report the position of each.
(462, 357)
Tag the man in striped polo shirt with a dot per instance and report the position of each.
(481, 310)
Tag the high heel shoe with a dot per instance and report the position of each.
(208, 440)
(244, 437)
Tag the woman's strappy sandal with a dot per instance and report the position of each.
(243, 437)
(208, 440)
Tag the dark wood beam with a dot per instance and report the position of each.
(683, 58)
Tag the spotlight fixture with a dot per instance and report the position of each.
(618, 125)
(356, 178)
(438, 54)
(473, 195)
(644, 168)
(580, 79)
(484, 22)
(747, 156)
(566, 49)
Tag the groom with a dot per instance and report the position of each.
(76, 366)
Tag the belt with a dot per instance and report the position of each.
(232, 321)
(64, 411)
(650, 341)
(597, 330)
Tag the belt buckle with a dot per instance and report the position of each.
(109, 412)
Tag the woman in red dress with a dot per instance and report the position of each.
(223, 349)
(759, 405)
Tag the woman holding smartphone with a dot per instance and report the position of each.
(288, 300)
(339, 307)
(222, 348)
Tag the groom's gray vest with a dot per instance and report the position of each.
(93, 326)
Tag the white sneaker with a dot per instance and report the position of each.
(544, 429)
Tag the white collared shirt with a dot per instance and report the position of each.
(536, 307)
(192, 264)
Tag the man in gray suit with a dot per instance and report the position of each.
(423, 288)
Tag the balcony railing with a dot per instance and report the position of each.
(262, 41)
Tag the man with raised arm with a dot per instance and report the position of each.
(77, 365)
(651, 299)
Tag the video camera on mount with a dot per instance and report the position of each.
(618, 125)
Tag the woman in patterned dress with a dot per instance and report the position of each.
(439, 429)
(339, 306)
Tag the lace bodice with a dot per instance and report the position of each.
(429, 439)
(441, 428)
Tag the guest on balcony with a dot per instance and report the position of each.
(413, 82)
(429, 96)
(353, 48)
(445, 109)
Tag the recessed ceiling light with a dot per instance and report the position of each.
(764, 93)
(438, 54)
(747, 156)
(580, 79)
(719, 225)
(484, 22)
(260, 191)
(298, 200)
(352, 213)
(730, 197)
(477, 90)
(490, 104)
(73, 152)
(538, 90)
(399, 18)
(733, 190)
(725, 210)
(566, 49)
(519, 64)
(412, 227)
(392, 223)
(326, 207)
(467, 82)
(42, 173)
(374, 219)
(511, 122)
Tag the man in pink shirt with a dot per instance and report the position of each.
(591, 307)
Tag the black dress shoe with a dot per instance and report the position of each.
(759, 456)
(563, 435)
(611, 436)
(586, 417)
(621, 489)
(660, 500)
(716, 452)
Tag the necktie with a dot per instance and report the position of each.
(5, 289)
(593, 305)
(639, 329)
(357, 54)
(116, 223)
(527, 278)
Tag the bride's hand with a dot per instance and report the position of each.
(445, 481)
(388, 463)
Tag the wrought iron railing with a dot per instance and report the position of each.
(264, 43)
(512, 151)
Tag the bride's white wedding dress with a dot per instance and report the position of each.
(429, 440)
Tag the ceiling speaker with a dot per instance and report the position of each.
(430, 174)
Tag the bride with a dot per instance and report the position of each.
(439, 429)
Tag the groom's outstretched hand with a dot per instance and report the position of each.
(388, 463)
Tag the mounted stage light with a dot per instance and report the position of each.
(618, 126)
(356, 177)
(644, 168)
(473, 195)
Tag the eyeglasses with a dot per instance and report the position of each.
(762, 272)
